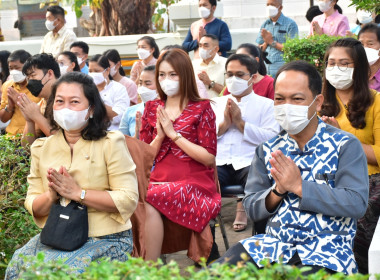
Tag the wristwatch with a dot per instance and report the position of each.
(273, 44)
(282, 195)
(82, 195)
(212, 84)
(177, 137)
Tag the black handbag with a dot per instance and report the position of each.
(66, 227)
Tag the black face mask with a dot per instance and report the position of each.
(35, 86)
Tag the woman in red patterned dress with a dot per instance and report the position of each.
(181, 128)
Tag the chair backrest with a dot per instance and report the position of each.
(143, 157)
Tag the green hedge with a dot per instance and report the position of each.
(310, 49)
(16, 224)
(139, 269)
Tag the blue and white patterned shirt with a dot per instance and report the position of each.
(321, 225)
(284, 28)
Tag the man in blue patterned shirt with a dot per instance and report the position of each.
(273, 34)
(310, 181)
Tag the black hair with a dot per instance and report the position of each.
(255, 51)
(4, 65)
(212, 2)
(337, 7)
(102, 60)
(97, 125)
(19, 55)
(42, 61)
(170, 47)
(152, 43)
(251, 64)
(150, 68)
(72, 57)
(212, 37)
(312, 12)
(56, 11)
(82, 45)
(315, 80)
(114, 56)
(362, 98)
(370, 27)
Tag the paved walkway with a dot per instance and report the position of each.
(228, 216)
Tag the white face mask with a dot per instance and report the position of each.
(17, 76)
(50, 24)
(293, 118)
(236, 86)
(339, 79)
(364, 16)
(113, 71)
(205, 54)
(272, 11)
(69, 119)
(169, 87)
(143, 53)
(63, 69)
(80, 60)
(324, 6)
(372, 55)
(97, 77)
(204, 12)
(147, 94)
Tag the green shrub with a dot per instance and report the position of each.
(139, 269)
(310, 49)
(16, 224)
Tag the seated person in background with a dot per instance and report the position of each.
(60, 170)
(363, 17)
(11, 90)
(130, 123)
(181, 128)
(208, 24)
(42, 71)
(263, 84)
(118, 75)
(200, 85)
(239, 130)
(113, 94)
(80, 49)
(331, 22)
(148, 52)
(310, 181)
(67, 62)
(369, 36)
(210, 67)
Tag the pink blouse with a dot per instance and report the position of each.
(131, 88)
(334, 25)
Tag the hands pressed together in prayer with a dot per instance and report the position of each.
(316, 28)
(12, 98)
(203, 76)
(28, 108)
(164, 124)
(286, 174)
(63, 184)
(232, 115)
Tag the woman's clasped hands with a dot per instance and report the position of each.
(63, 184)
(164, 124)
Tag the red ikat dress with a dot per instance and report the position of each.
(188, 195)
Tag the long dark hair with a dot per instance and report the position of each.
(4, 65)
(72, 57)
(114, 56)
(362, 98)
(97, 125)
(181, 63)
(152, 43)
(101, 60)
(256, 52)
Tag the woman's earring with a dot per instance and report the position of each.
(91, 116)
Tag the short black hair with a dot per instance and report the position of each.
(97, 125)
(370, 27)
(82, 45)
(19, 55)
(312, 12)
(42, 61)
(212, 37)
(315, 80)
(72, 57)
(150, 68)
(251, 64)
(212, 2)
(56, 11)
(4, 55)
(102, 60)
(152, 43)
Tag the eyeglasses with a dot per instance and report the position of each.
(237, 74)
(341, 66)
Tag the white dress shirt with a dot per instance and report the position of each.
(116, 96)
(238, 148)
(59, 42)
(215, 71)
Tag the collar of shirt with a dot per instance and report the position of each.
(280, 20)
(215, 60)
(60, 32)
(333, 16)
(204, 23)
(244, 99)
